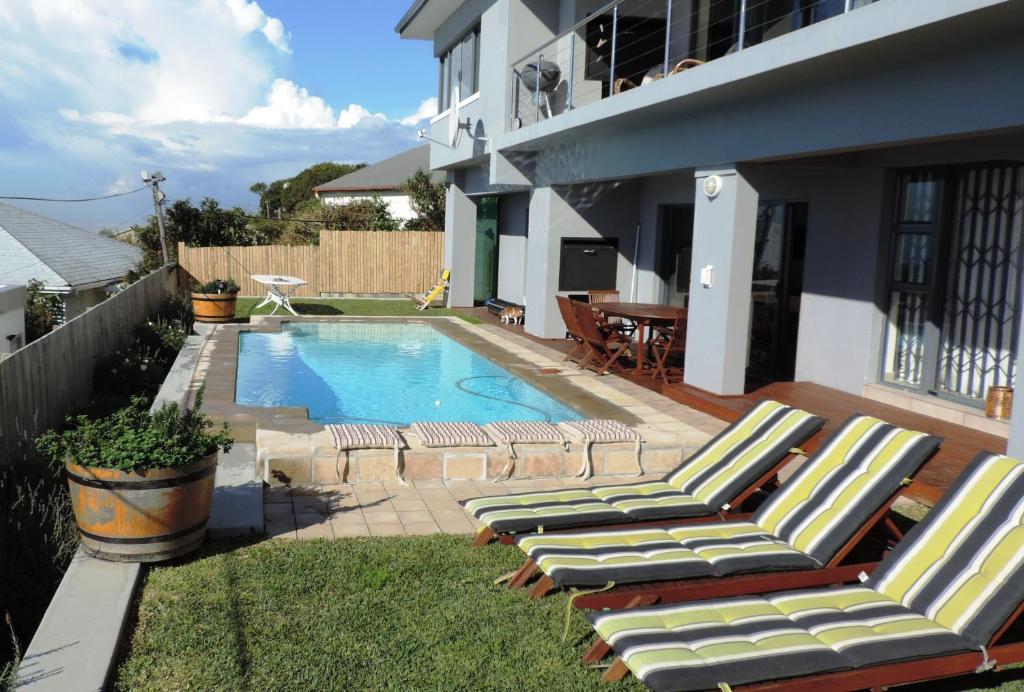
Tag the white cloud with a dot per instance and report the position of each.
(251, 17)
(118, 186)
(427, 109)
(354, 114)
(290, 106)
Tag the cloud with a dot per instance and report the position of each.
(427, 109)
(251, 17)
(354, 114)
(290, 106)
(118, 186)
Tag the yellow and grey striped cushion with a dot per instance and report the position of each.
(744, 640)
(963, 565)
(838, 489)
(743, 452)
(652, 500)
(551, 509)
(629, 555)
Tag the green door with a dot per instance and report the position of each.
(485, 283)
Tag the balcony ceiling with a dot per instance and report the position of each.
(424, 17)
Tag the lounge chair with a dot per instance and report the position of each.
(937, 606)
(811, 522)
(604, 347)
(426, 300)
(572, 328)
(727, 470)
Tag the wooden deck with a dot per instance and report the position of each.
(960, 444)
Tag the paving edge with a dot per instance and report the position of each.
(79, 637)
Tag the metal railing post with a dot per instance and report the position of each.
(513, 99)
(572, 70)
(668, 35)
(536, 94)
(615, 35)
(743, 23)
(848, 6)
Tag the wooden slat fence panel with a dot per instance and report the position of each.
(345, 262)
(53, 376)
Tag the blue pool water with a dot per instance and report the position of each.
(363, 372)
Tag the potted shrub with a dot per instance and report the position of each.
(141, 482)
(214, 301)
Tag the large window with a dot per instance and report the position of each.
(953, 280)
(460, 65)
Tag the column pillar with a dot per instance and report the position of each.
(459, 244)
(718, 334)
(542, 316)
(1015, 443)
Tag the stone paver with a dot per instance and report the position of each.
(391, 509)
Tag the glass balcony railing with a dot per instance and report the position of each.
(628, 44)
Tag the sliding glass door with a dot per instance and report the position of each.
(954, 280)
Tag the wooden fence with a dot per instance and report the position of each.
(368, 262)
(52, 377)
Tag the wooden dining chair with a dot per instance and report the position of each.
(603, 349)
(665, 342)
(598, 296)
(572, 328)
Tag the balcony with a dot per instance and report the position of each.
(628, 44)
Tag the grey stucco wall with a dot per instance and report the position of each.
(513, 214)
(459, 243)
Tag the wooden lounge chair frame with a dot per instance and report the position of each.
(767, 479)
(625, 84)
(572, 327)
(887, 674)
(602, 352)
(676, 591)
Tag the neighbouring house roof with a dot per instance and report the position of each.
(385, 175)
(58, 254)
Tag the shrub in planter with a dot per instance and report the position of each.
(141, 482)
(214, 301)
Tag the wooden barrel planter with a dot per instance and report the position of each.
(214, 307)
(142, 516)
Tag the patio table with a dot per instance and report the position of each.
(645, 316)
(279, 290)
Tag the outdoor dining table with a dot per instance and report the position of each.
(645, 316)
(279, 290)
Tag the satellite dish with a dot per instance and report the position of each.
(453, 114)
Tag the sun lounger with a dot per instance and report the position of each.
(811, 522)
(727, 470)
(939, 605)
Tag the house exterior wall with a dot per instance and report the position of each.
(513, 222)
(12, 318)
(398, 202)
(80, 301)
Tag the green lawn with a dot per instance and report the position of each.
(361, 307)
(418, 613)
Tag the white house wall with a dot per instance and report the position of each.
(398, 203)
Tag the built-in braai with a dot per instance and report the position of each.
(588, 264)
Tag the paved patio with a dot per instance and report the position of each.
(391, 509)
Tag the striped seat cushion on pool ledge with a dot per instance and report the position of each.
(594, 430)
(511, 433)
(349, 436)
(451, 435)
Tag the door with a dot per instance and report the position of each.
(953, 280)
(779, 248)
(675, 250)
(485, 276)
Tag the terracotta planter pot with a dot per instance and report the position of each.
(214, 307)
(999, 402)
(142, 516)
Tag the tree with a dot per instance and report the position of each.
(42, 311)
(427, 200)
(286, 194)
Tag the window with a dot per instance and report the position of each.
(460, 65)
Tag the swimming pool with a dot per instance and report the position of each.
(367, 372)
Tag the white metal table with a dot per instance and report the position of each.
(279, 290)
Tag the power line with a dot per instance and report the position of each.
(80, 199)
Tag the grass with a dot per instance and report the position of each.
(360, 307)
(398, 613)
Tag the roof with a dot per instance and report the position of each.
(389, 174)
(58, 254)
(424, 17)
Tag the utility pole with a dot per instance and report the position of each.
(154, 181)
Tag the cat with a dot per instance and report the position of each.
(512, 315)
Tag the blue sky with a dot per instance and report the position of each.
(217, 94)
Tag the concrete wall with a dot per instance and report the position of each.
(398, 202)
(655, 191)
(80, 301)
(12, 318)
(513, 225)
